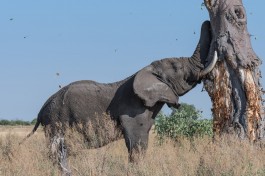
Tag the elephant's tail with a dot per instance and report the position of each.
(32, 132)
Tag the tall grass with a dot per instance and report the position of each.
(201, 157)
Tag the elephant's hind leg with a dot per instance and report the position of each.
(59, 152)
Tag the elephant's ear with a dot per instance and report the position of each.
(151, 90)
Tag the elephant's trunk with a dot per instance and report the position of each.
(203, 52)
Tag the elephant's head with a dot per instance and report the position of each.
(167, 79)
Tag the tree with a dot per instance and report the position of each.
(234, 84)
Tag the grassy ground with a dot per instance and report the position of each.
(198, 157)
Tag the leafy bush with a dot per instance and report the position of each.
(4, 122)
(34, 121)
(14, 122)
(183, 122)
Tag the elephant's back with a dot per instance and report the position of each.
(78, 101)
(88, 99)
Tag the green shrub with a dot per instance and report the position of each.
(21, 122)
(34, 121)
(183, 122)
(14, 122)
(4, 122)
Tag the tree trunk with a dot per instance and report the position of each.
(234, 84)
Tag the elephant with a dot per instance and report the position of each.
(132, 103)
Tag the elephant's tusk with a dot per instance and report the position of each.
(210, 66)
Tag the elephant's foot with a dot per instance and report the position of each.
(136, 155)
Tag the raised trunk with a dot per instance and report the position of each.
(234, 84)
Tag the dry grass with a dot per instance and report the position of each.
(199, 157)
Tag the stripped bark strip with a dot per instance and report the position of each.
(254, 107)
(221, 98)
(227, 101)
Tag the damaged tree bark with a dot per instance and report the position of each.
(234, 84)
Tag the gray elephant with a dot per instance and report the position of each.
(132, 103)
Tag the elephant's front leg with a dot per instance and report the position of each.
(136, 133)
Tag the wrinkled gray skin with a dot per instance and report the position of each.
(132, 103)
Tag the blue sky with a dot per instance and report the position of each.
(99, 40)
